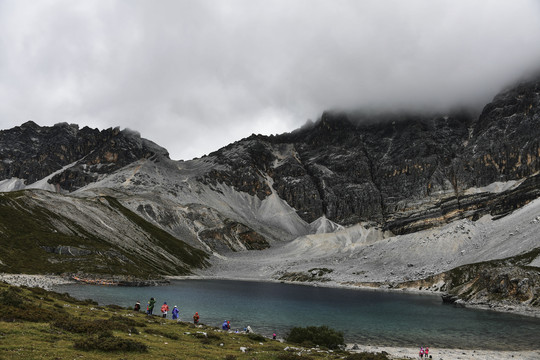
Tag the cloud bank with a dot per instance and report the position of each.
(196, 75)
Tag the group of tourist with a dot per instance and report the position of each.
(165, 309)
(424, 352)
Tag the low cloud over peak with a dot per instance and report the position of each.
(196, 75)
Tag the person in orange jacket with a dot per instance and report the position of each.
(164, 309)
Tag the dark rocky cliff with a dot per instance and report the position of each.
(405, 171)
(31, 152)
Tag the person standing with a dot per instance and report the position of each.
(150, 307)
(196, 318)
(164, 309)
(137, 306)
(175, 312)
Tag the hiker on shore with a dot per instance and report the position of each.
(164, 309)
(196, 318)
(150, 307)
(426, 352)
(175, 312)
(421, 353)
(274, 336)
(226, 325)
(137, 306)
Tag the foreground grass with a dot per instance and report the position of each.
(38, 324)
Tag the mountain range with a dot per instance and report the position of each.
(447, 201)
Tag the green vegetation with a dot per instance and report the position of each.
(30, 235)
(108, 343)
(316, 335)
(39, 324)
(256, 337)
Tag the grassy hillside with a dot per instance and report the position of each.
(99, 236)
(38, 324)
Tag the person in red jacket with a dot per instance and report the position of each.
(196, 318)
(164, 309)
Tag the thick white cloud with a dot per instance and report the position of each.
(196, 75)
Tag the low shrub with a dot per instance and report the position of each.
(292, 356)
(114, 307)
(108, 343)
(213, 336)
(316, 335)
(32, 314)
(162, 333)
(80, 326)
(128, 321)
(256, 337)
(206, 341)
(207, 338)
(368, 356)
(77, 325)
(11, 297)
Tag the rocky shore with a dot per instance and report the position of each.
(49, 281)
(117, 280)
(43, 281)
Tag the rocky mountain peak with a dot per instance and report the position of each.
(397, 169)
(76, 156)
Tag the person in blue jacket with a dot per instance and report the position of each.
(175, 312)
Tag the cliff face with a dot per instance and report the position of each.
(31, 152)
(406, 172)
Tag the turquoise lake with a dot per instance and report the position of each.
(364, 316)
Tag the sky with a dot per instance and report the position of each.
(196, 75)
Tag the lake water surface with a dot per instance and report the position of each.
(364, 316)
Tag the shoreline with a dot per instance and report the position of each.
(49, 281)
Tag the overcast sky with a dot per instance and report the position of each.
(196, 75)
